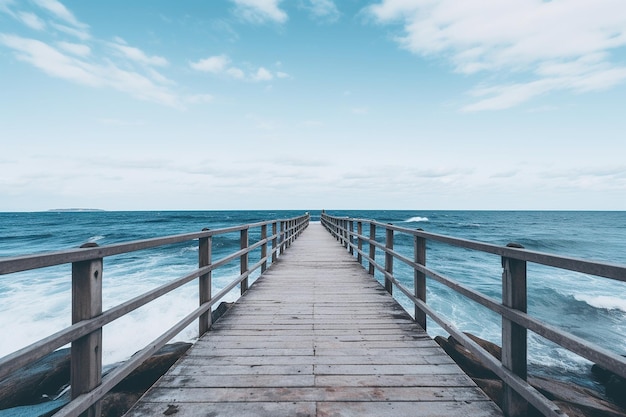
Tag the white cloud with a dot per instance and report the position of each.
(31, 20)
(75, 48)
(60, 12)
(281, 74)
(553, 45)
(81, 34)
(75, 69)
(236, 73)
(138, 55)
(324, 9)
(214, 64)
(220, 65)
(260, 11)
(263, 75)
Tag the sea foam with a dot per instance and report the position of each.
(416, 219)
(606, 302)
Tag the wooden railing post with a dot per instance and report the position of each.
(290, 233)
(86, 352)
(282, 237)
(419, 278)
(372, 248)
(204, 259)
(264, 247)
(244, 260)
(344, 232)
(359, 231)
(388, 259)
(274, 242)
(514, 342)
(350, 231)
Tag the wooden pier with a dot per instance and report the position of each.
(315, 336)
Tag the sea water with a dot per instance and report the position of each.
(35, 304)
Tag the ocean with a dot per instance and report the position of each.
(35, 304)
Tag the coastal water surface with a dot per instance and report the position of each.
(37, 303)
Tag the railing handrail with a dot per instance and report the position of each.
(91, 326)
(515, 314)
(597, 268)
(14, 264)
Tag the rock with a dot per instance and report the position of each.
(151, 370)
(491, 387)
(39, 382)
(574, 400)
(36, 382)
(582, 400)
(464, 358)
(37, 410)
(115, 404)
(222, 308)
(615, 385)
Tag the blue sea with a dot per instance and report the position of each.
(35, 304)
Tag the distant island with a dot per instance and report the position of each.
(74, 210)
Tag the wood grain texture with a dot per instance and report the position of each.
(315, 336)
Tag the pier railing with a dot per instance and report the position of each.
(512, 308)
(85, 334)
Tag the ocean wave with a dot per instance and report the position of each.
(605, 302)
(95, 238)
(417, 219)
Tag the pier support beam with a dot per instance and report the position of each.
(244, 260)
(372, 248)
(419, 278)
(204, 259)
(86, 352)
(514, 342)
(389, 259)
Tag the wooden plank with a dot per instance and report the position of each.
(294, 344)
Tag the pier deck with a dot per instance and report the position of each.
(315, 336)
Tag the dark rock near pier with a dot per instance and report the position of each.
(35, 390)
(572, 399)
(614, 384)
(37, 382)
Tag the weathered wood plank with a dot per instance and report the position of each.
(295, 345)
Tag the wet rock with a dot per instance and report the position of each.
(574, 400)
(152, 369)
(464, 358)
(615, 385)
(37, 382)
(32, 390)
(582, 401)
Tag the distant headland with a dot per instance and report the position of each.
(74, 210)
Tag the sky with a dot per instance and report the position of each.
(311, 104)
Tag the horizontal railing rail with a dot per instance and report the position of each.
(85, 334)
(513, 307)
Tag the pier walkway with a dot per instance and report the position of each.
(315, 336)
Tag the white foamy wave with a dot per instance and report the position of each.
(606, 302)
(416, 219)
(95, 238)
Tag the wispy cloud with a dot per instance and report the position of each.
(325, 10)
(221, 65)
(75, 48)
(91, 62)
(31, 20)
(260, 11)
(137, 54)
(76, 69)
(542, 46)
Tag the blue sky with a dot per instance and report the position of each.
(310, 104)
